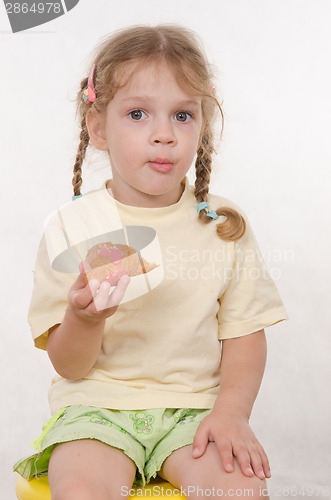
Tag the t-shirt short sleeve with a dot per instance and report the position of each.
(251, 300)
(49, 296)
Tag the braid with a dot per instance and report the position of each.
(84, 139)
(84, 142)
(203, 170)
(234, 226)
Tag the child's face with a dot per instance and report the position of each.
(149, 119)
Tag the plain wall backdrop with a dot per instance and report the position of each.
(273, 73)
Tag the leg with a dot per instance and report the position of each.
(202, 477)
(88, 469)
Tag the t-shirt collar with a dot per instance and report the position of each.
(175, 208)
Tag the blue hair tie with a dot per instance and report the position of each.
(75, 196)
(202, 205)
(210, 213)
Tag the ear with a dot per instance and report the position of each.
(96, 129)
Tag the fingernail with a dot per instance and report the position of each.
(250, 470)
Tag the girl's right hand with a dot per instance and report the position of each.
(92, 301)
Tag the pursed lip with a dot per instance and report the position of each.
(162, 165)
(161, 160)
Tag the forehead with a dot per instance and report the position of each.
(148, 78)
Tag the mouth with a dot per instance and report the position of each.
(161, 165)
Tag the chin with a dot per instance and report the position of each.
(153, 189)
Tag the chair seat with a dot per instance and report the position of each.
(38, 489)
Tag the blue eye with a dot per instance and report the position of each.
(182, 116)
(136, 114)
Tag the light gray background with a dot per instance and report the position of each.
(273, 60)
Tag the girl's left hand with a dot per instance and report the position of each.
(233, 437)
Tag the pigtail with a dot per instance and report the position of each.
(234, 226)
(81, 152)
(83, 144)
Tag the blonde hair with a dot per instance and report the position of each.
(180, 48)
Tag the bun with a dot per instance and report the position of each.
(110, 261)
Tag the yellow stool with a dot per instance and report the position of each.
(38, 489)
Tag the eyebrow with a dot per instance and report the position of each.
(143, 98)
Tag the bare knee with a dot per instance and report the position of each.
(76, 491)
(252, 487)
(200, 490)
(206, 477)
(89, 470)
(228, 485)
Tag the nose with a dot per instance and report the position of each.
(163, 132)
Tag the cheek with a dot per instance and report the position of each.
(125, 135)
(125, 149)
(192, 140)
(116, 139)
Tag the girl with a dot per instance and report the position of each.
(163, 383)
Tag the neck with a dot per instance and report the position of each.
(136, 198)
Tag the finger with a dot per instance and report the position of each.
(102, 297)
(256, 462)
(200, 442)
(265, 466)
(82, 297)
(84, 267)
(243, 457)
(118, 293)
(80, 282)
(225, 451)
(105, 301)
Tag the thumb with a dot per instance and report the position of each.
(81, 280)
(83, 290)
(200, 442)
(84, 267)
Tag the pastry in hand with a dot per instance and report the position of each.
(110, 261)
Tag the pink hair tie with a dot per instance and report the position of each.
(89, 93)
(212, 90)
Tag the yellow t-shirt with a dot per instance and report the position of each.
(161, 349)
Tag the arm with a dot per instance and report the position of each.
(242, 367)
(73, 347)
